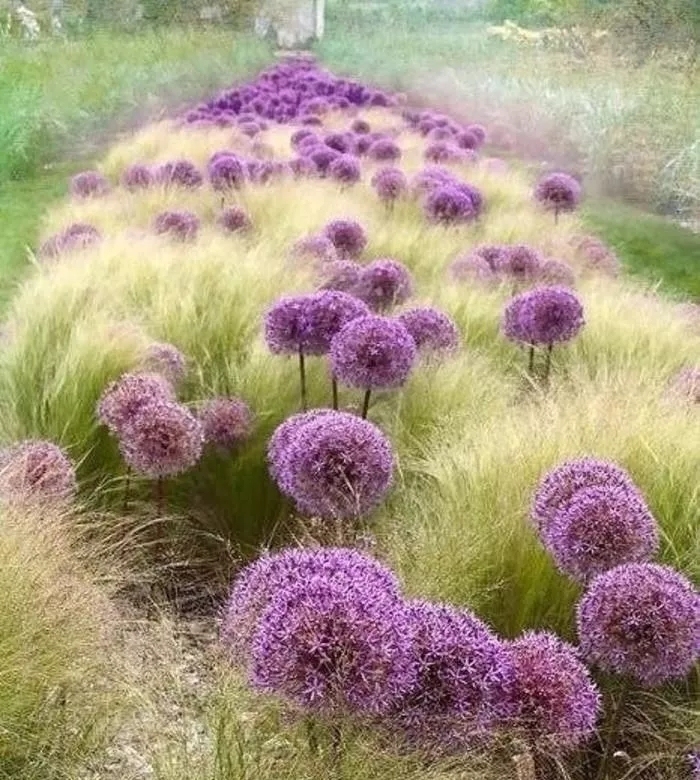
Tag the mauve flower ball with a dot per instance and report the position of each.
(441, 133)
(560, 485)
(426, 126)
(479, 131)
(543, 316)
(341, 142)
(326, 314)
(163, 439)
(431, 330)
(384, 150)
(303, 167)
(226, 172)
(166, 360)
(556, 273)
(519, 262)
(348, 238)
(373, 352)
(322, 157)
(467, 140)
(36, 471)
(234, 220)
(556, 703)
(362, 144)
(360, 126)
(340, 275)
(345, 170)
(311, 121)
(337, 467)
(259, 582)
(596, 256)
(226, 422)
(446, 205)
(599, 528)
(443, 152)
(641, 620)
(472, 267)
(383, 284)
(285, 325)
(137, 177)
(179, 173)
(309, 142)
(558, 192)
(89, 184)
(686, 383)
(182, 225)
(430, 178)
(79, 235)
(125, 398)
(250, 129)
(389, 184)
(299, 135)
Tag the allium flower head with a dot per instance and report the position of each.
(467, 140)
(326, 314)
(285, 326)
(337, 466)
(235, 220)
(299, 135)
(166, 360)
(360, 126)
(686, 383)
(163, 439)
(179, 173)
(226, 422)
(373, 352)
(36, 471)
(545, 315)
(479, 131)
(340, 275)
(125, 398)
(596, 256)
(341, 142)
(226, 172)
(598, 528)
(322, 157)
(641, 620)
(519, 262)
(345, 169)
(182, 225)
(447, 205)
(431, 330)
(443, 152)
(558, 192)
(137, 177)
(555, 700)
(472, 267)
(315, 247)
(89, 184)
(303, 166)
(334, 649)
(554, 272)
(389, 184)
(79, 235)
(262, 580)
(384, 150)
(384, 283)
(348, 237)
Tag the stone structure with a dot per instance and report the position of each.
(292, 23)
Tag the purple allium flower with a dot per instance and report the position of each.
(226, 172)
(479, 131)
(360, 126)
(447, 205)
(305, 145)
(179, 173)
(384, 283)
(161, 440)
(166, 360)
(183, 225)
(266, 171)
(262, 580)
(311, 121)
(79, 235)
(555, 700)
(426, 126)
(430, 178)
(686, 383)
(337, 466)
(126, 397)
(362, 144)
(137, 177)
(36, 471)
(348, 237)
(326, 314)
(334, 649)
(303, 167)
(561, 484)
(597, 256)
(345, 169)
(598, 528)
(315, 247)
(554, 272)
(641, 620)
(519, 262)
(285, 326)
(234, 220)
(340, 275)
(322, 157)
(443, 152)
(373, 352)
(472, 267)
(89, 184)
(384, 150)
(441, 133)
(250, 129)
(545, 315)
(300, 135)
(340, 142)
(694, 763)
(558, 192)
(467, 140)
(432, 330)
(389, 184)
(465, 675)
(226, 422)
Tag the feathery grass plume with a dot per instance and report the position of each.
(226, 422)
(226, 172)
(348, 238)
(137, 177)
(555, 273)
(36, 471)
(258, 583)
(447, 205)
(125, 398)
(384, 150)
(345, 170)
(599, 528)
(556, 702)
(558, 192)
(79, 235)
(519, 262)
(431, 330)
(390, 184)
(181, 225)
(686, 384)
(234, 220)
(89, 184)
(340, 275)
(166, 360)
(383, 284)
(179, 173)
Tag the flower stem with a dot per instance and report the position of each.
(311, 735)
(365, 404)
(336, 745)
(127, 489)
(334, 384)
(160, 494)
(302, 375)
(613, 729)
(531, 360)
(548, 362)
(556, 215)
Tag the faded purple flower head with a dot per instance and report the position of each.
(89, 184)
(326, 314)
(479, 131)
(389, 184)
(472, 267)
(322, 157)
(340, 275)
(182, 225)
(467, 140)
(303, 166)
(373, 352)
(519, 262)
(137, 177)
(431, 330)
(125, 398)
(556, 702)
(443, 152)
(226, 172)
(299, 135)
(341, 142)
(383, 284)
(36, 471)
(558, 192)
(555, 272)
(234, 220)
(226, 422)
(447, 205)
(545, 315)
(166, 360)
(79, 235)
(641, 620)
(686, 383)
(360, 126)
(315, 247)
(598, 528)
(179, 173)
(384, 150)
(348, 237)
(596, 256)
(345, 169)
(161, 440)
(250, 129)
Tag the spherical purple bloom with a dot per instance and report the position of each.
(89, 184)
(299, 135)
(555, 700)
(441, 134)
(446, 205)
(598, 528)
(341, 142)
(519, 262)
(641, 620)
(285, 327)
(384, 150)
(443, 152)
(558, 192)
(384, 283)
(348, 237)
(36, 471)
(545, 315)
(179, 173)
(234, 220)
(560, 485)
(467, 140)
(431, 329)
(79, 235)
(472, 267)
(596, 255)
(326, 313)
(250, 129)
(126, 397)
(686, 383)
(554, 272)
(360, 126)
(166, 360)
(373, 352)
(262, 580)
(183, 225)
(322, 157)
(431, 178)
(163, 439)
(226, 172)
(345, 169)
(337, 466)
(226, 422)
(389, 184)
(362, 144)
(479, 131)
(311, 121)
(315, 247)
(309, 142)
(426, 126)
(340, 275)
(137, 177)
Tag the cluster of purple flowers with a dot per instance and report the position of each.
(181, 225)
(76, 236)
(517, 263)
(89, 184)
(446, 199)
(438, 127)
